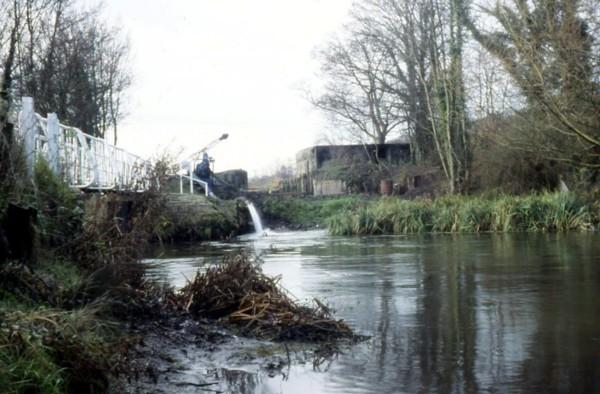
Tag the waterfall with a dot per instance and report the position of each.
(258, 228)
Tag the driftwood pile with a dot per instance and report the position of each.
(237, 292)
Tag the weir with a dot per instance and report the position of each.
(258, 227)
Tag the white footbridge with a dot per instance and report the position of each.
(87, 162)
(81, 160)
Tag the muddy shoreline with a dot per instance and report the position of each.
(185, 355)
(230, 325)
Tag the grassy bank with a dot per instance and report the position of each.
(305, 212)
(471, 214)
(72, 301)
(47, 348)
(66, 285)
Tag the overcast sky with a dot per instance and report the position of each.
(207, 67)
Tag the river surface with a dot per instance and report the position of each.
(487, 313)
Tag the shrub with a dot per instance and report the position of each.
(60, 208)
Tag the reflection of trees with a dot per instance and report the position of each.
(386, 311)
(428, 316)
(377, 280)
(430, 347)
(564, 355)
(497, 312)
(447, 319)
(561, 276)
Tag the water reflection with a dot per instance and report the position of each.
(501, 313)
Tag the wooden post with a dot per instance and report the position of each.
(28, 129)
(53, 132)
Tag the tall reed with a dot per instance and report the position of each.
(466, 214)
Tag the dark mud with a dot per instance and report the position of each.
(182, 355)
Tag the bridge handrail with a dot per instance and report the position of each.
(82, 160)
(186, 170)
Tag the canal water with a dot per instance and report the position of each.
(486, 313)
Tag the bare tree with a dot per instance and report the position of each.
(491, 93)
(68, 60)
(396, 27)
(354, 92)
(424, 42)
(9, 36)
(405, 59)
(549, 50)
(445, 93)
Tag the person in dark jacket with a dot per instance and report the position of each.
(203, 172)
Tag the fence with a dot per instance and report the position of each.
(186, 174)
(83, 161)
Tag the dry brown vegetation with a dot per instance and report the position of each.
(239, 293)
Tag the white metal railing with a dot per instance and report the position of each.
(83, 161)
(186, 173)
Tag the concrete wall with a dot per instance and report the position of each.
(309, 161)
(237, 179)
(195, 217)
(230, 184)
(306, 161)
(312, 159)
(328, 187)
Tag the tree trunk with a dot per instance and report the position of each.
(7, 128)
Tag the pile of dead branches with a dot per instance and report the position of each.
(237, 292)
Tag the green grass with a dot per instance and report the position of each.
(65, 273)
(25, 363)
(56, 310)
(54, 337)
(29, 370)
(60, 209)
(50, 350)
(306, 212)
(547, 212)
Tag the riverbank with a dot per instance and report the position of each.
(56, 336)
(181, 355)
(546, 212)
(301, 213)
(259, 329)
(76, 307)
(71, 282)
(362, 215)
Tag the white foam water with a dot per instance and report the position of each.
(258, 227)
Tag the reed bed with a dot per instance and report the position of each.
(238, 293)
(547, 212)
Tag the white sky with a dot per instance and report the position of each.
(207, 67)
